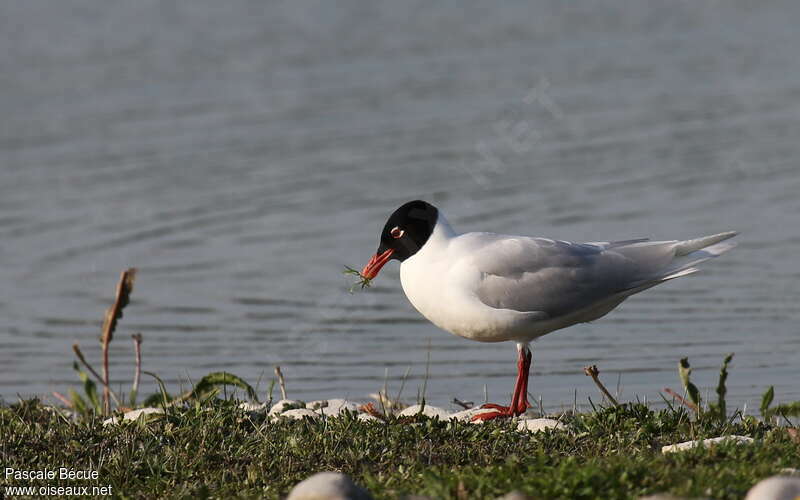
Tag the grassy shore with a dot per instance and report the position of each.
(204, 446)
(215, 449)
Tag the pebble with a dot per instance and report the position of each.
(429, 411)
(775, 488)
(254, 407)
(316, 405)
(328, 486)
(466, 415)
(336, 406)
(297, 414)
(539, 424)
(285, 404)
(132, 415)
(688, 445)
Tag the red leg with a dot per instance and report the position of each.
(522, 403)
(519, 401)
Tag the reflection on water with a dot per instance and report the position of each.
(240, 157)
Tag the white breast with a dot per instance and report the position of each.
(424, 276)
(440, 282)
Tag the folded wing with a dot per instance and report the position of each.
(559, 277)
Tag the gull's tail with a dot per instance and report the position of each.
(660, 261)
(706, 242)
(689, 253)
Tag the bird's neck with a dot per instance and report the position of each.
(435, 248)
(442, 233)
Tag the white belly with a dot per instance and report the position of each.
(439, 293)
(424, 286)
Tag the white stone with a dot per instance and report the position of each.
(466, 415)
(132, 415)
(316, 405)
(688, 445)
(775, 488)
(285, 404)
(539, 424)
(297, 414)
(253, 407)
(366, 417)
(328, 486)
(429, 411)
(336, 406)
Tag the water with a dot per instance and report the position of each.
(240, 155)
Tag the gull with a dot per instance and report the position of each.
(495, 288)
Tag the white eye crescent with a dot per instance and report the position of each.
(396, 232)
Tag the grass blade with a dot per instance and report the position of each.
(766, 400)
(165, 397)
(685, 372)
(89, 388)
(721, 389)
(212, 380)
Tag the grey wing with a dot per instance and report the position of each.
(559, 277)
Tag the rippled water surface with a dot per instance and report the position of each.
(239, 155)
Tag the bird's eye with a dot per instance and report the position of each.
(396, 232)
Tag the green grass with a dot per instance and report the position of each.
(214, 449)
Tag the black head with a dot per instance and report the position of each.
(406, 231)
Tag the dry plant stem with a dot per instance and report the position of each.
(85, 363)
(592, 371)
(124, 289)
(403, 384)
(106, 398)
(62, 398)
(281, 381)
(363, 282)
(137, 374)
(682, 400)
